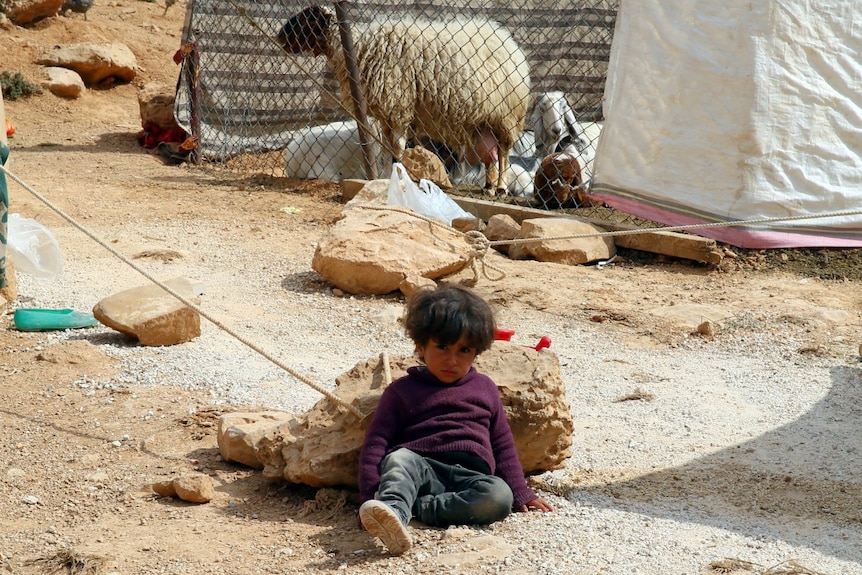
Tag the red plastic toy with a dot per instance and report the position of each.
(503, 334)
(506, 335)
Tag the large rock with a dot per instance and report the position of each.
(195, 488)
(571, 251)
(373, 192)
(97, 64)
(425, 164)
(320, 448)
(156, 103)
(64, 82)
(502, 227)
(151, 314)
(239, 434)
(23, 12)
(373, 251)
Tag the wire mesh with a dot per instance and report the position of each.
(442, 73)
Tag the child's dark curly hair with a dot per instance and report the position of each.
(448, 312)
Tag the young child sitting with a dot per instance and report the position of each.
(439, 447)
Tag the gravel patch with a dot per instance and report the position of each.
(746, 449)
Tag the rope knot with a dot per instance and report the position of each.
(478, 243)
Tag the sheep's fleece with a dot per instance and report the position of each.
(450, 81)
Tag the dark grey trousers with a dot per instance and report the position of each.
(438, 494)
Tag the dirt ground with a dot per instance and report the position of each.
(58, 436)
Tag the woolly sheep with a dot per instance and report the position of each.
(455, 82)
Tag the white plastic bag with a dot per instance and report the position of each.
(33, 248)
(427, 198)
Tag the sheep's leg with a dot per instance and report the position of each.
(394, 142)
(503, 163)
(491, 177)
(495, 184)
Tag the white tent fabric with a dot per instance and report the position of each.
(728, 110)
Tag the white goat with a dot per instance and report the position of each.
(330, 152)
(585, 152)
(465, 83)
(558, 130)
(553, 119)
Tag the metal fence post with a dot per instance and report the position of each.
(369, 162)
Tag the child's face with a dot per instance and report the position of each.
(448, 363)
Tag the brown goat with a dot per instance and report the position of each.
(559, 183)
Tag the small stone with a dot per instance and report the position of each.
(30, 500)
(706, 328)
(165, 488)
(194, 488)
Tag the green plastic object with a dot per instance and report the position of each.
(37, 319)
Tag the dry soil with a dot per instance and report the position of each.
(730, 462)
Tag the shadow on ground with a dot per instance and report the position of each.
(799, 479)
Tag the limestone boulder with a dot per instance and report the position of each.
(502, 227)
(195, 488)
(97, 64)
(64, 82)
(165, 488)
(24, 12)
(156, 104)
(413, 283)
(373, 192)
(468, 224)
(270, 446)
(350, 187)
(421, 163)
(239, 435)
(571, 251)
(320, 448)
(151, 314)
(373, 251)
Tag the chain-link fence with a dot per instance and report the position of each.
(468, 79)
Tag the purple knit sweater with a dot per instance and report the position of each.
(423, 414)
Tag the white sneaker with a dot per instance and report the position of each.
(381, 521)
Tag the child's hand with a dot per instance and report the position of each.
(538, 503)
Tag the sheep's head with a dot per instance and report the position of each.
(306, 31)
